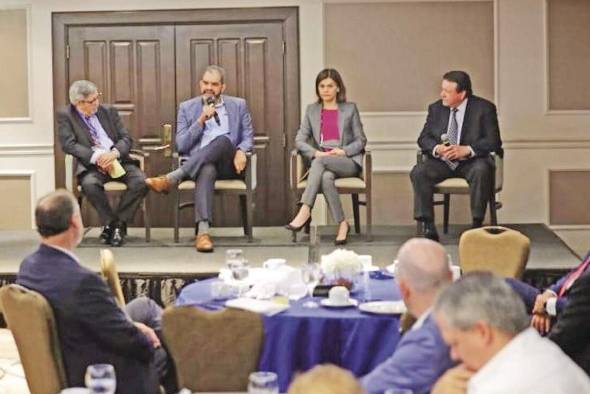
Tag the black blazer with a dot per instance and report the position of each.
(74, 135)
(91, 327)
(572, 329)
(480, 127)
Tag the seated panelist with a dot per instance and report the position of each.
(332, 139)
(214, 132)
(460, 132)
(96, 137)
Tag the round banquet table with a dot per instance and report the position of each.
(299, 338)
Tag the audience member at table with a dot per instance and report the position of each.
(421, 355)
(487, 328)
(325, 379)
(332, 140)
(91, 327)
(547, 305)
(572, 330)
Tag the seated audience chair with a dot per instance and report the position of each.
(114, 186)
(353, 186)
(460, 186)
(108, 270)
(213, 351)
(30, 318)
(500, 250)
(245, 189)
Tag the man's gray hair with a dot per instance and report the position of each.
(482, 296)
(424, 264)
(81, 89)
(212, 68)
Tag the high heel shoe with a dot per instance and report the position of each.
(298, 228)
(340, 242)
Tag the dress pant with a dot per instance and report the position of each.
(477, 172)
(214, 161)
(322, 176)
(92, 183)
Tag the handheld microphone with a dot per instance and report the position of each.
(211, 102)
(444, 139)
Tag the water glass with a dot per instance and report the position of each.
(398, 391)
(263, 383)
(311, 274)
(100, 378)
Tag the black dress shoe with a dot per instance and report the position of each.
(107, 233)
(428, 230)
(117, 238)
(299, 228)
(344, 241)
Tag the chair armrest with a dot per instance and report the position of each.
(367, 167)
(293, 170)
(420, 156)
(143, 158)
(251, 159)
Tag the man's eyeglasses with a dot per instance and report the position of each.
(98, 95)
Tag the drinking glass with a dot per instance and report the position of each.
(311, 274)
(100, 378)
(263, 383)
(398, 391)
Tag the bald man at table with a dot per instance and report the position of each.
(421, 356)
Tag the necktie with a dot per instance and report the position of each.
(573, 276)
(93, 132)
(453, 127)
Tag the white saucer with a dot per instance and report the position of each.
(384, 307)
(327, 302)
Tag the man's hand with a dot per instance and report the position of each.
(541, 300)
(105, 161)
(454, 381)
(337, 152)
(541, 322)
(455, 152)
(208, 111)
(240, 161)
(149, 333)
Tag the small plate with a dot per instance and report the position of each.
(384, 307)
(327, 302)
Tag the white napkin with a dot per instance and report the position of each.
(268, 308)
(262, 291)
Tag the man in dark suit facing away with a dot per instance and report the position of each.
(472, 133)
(96, 137)
(91, 327)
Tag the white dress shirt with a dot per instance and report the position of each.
(529, 364)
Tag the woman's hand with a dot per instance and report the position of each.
(337, 152)
(319, 153)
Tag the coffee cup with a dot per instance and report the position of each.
(338, 295)
(366, 261)
(274, 263)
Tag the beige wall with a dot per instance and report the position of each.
(15, 211)
(14, 64)
(536, 141)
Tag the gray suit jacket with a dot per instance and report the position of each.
(352, 136)
(189, 132)
(75, 140)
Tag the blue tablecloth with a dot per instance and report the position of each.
(300, 338)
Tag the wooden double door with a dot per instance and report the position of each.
(146, 63)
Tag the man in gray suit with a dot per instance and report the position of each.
(214, 132)
(96, 137)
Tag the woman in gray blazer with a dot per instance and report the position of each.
(331, 137)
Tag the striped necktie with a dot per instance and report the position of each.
(573, 276)
(453, 127)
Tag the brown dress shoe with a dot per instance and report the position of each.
(203, 243)
(158, 184)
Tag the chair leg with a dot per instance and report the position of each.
(447, 203)
(355, 213)
(176, 199)
(145, 206)
(493, 213)
(251, 205)
(243, 210)
(369, 212)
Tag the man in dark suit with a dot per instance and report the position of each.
(91, 327)
(214, 132)
(96, 137)
(572, 330)
(471, 126)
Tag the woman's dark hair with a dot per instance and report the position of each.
(53, 213)
(461, 78)
(335, 76)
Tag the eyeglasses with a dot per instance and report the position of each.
(94, 100)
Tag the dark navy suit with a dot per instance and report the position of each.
(91, 327)
(420, 357)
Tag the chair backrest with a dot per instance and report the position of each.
(108, 270)
(30, 318)
(500, 250)
(213, 351)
